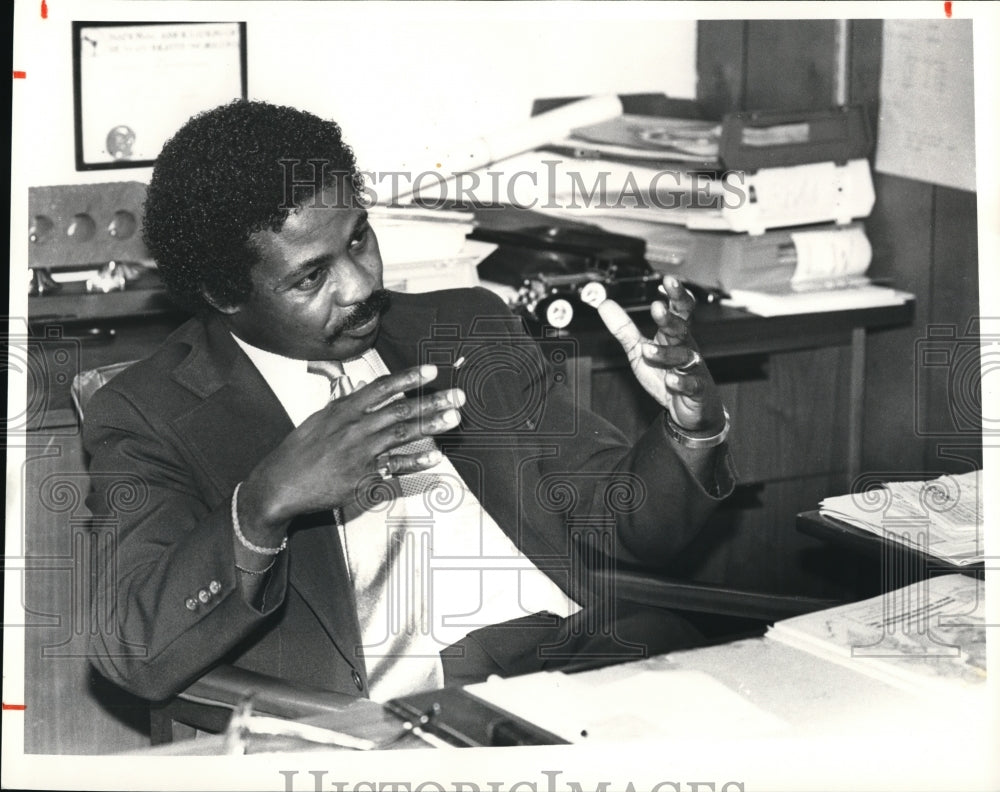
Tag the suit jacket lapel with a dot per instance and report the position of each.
(413, 333)
(410, 324)
(239, 420)
(483, 463)
(407, 323)
(237, 423)
(318, 571)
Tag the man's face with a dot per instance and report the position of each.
(311, 284)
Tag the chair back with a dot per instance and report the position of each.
(87, 383)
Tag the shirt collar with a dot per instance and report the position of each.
(263, 358)
(282, 372)
(270, 364)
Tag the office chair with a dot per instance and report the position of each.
(209, 702)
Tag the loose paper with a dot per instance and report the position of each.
(927, 120)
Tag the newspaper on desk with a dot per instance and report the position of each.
(928, 637)
(942, 517)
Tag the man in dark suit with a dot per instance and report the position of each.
(285, 501)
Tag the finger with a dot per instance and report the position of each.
(672, 329)
(398, 410)
(403, 432)
(401, 464)
(681, 384)
(375, 394)
(679, 357)
(681, 301)
(622, 327)
(385, 465)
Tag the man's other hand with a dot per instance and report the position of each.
(669, 366)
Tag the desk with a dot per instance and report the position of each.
(757, 710)
(807, 694)
(837, 729)
(908, 563)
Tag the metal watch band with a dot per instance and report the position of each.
(690, 441)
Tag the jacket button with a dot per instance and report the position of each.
(190, 603)
(204, 596)
(215, 587)
(357, 679)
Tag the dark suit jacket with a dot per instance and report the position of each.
(195, 418)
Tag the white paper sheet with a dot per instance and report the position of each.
(927, 117)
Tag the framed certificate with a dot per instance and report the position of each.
(136, 83)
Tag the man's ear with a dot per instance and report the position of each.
(223, 308)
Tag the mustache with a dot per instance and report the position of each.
(375, 304)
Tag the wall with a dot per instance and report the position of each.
(924, 239)
(395, 76)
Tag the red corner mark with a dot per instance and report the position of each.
(20, 707)
(45, 10)
(947, 8)
(19, 75)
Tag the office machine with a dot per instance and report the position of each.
(85, 233)
(549, 265)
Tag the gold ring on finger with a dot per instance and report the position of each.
(382, 467)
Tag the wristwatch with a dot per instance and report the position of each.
(688, 440)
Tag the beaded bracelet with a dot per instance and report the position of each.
(272, 551)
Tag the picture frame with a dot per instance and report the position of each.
(136, 83)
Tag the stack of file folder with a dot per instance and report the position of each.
(762, 207)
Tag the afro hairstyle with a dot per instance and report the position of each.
(223, 177)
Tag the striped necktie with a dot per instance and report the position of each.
(340, 383)
(340, 386)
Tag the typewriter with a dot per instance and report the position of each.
(550, 265)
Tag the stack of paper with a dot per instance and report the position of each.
(647, 138)
(929, 637)
(634, 174)
(843, 297)
(426, 249)
(942, 517)
(628, 704)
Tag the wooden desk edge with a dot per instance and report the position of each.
(820, 526)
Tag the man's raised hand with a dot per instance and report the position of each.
(668, 366)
